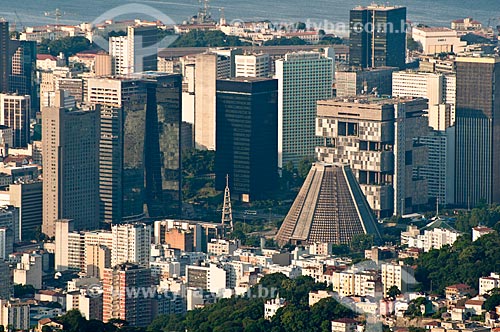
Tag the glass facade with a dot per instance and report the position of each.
(247, 121)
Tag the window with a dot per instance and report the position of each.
(347, 129)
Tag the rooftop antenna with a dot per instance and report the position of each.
(57, 14)
(227, 213)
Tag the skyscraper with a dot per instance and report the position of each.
(119, 302)
(4, 56)
(247, 144)
(14, 113)
(477, 131)
(375, 136)
(303, 79)
(142, 51)
(377, 36)
(23, 80)
(208, 68)
(70, 178)
(140, 145)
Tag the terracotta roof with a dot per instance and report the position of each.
(459, 286)
(46, 57)
(345, 321)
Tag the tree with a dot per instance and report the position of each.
(393, 292)
(213, 38)
(361, 242)
(285, 42)
(46, 328)
(304, 166)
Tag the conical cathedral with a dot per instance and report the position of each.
(330, 207)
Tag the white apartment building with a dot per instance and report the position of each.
(209, 277)
(486, 284)
(119, 50)
(271, 307)
(434, 239)
(252, 65)
(401, 276)
(221, 247)
(131, 244)
(15, 112)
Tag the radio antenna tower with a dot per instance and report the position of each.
(227, 213)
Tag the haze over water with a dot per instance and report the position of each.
(432, 12)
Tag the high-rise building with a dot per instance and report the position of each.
(131, 244)
(208, 68)
(15, 113)
(142, 52)
(4, 56)
(140, 145)
(303, 79)
(440, 170)
(119, 302)
(477, 131)
(118, 49)
(438, 88)
(247, 142)
(377, 36)
(252, 65)
(23, 80)
(366, 81)
(28, 198)
(71, 173)
(375, 136)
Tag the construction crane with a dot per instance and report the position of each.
(57, 14)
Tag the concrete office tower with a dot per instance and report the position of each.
(375, 137)
(377, 36)
(15, 113)
(438, 88)
(119, 51)
(118, 303)
(71, 173)
(131, 244)
(142, 48)
(28, 198)
(314, 216)
(368, 81)
(252, 65)
(247, 136)
(4, 56)
(478, 131)
(103, 64)
(303, 79)
(140, 145)
(208, 68)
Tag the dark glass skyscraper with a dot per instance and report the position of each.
(377, 36)
(247, 136)
(140, 145)
(477, 131)
(23, 71)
